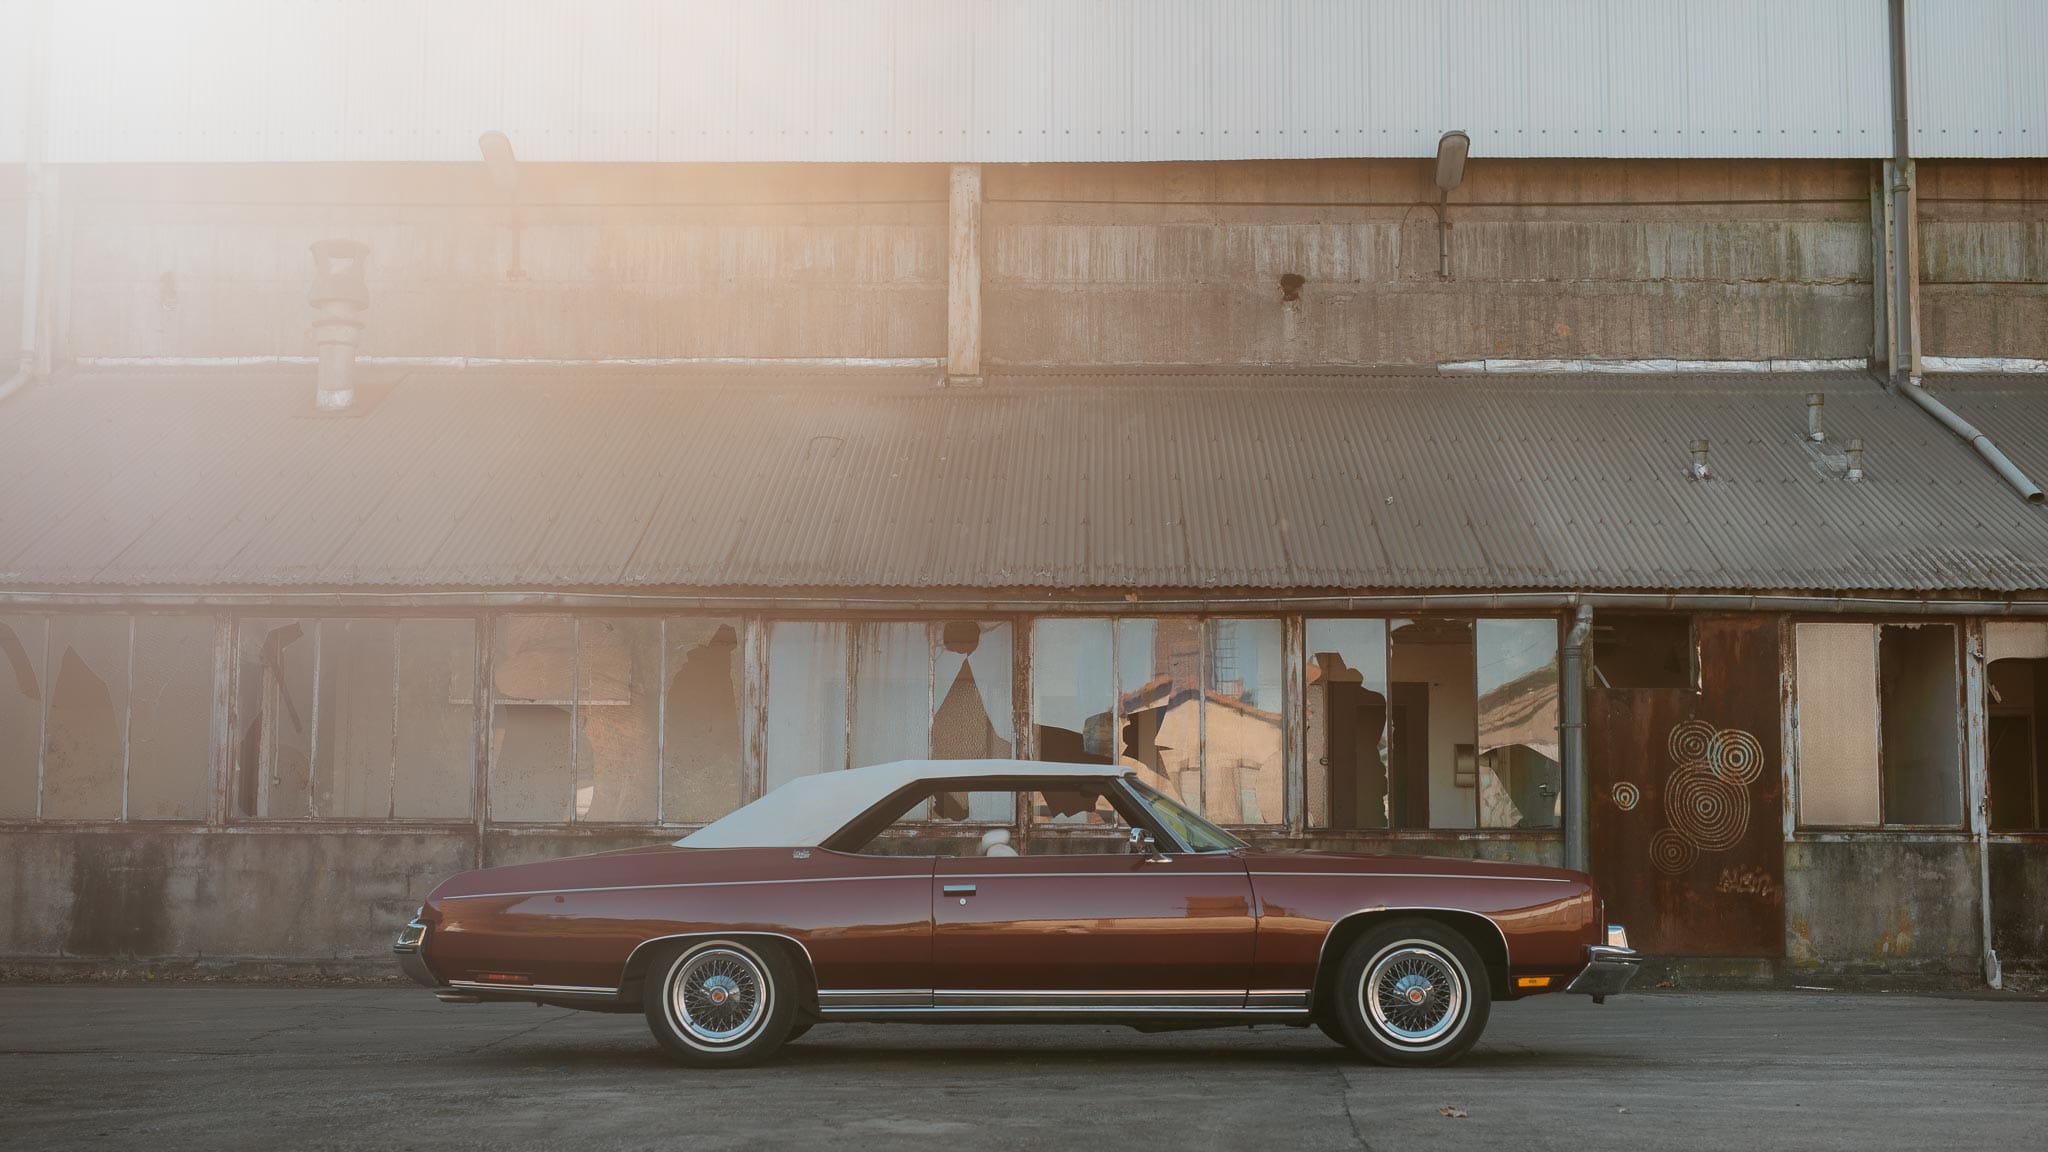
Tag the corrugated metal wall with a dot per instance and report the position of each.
(1017, 80)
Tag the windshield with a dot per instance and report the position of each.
(1198, 834)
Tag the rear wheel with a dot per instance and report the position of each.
(1411, 993)
(720, 1003)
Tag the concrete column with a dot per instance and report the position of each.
(963, 275)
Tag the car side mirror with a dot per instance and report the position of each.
(1142, 841)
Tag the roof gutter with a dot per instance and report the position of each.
(2028, 490)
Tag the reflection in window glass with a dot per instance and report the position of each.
(806, 700)
(170, 718)
(1432, 769)
(533, 670)
(701, 779)
(353, 728)
(1345, 690)
(1159, 671)
(1071, 692)
(1242, 727)
(435, 770)
(21, 713)
(892, 695)
(83, 746)
(1520, 780)
(618, 727)
(274, 718)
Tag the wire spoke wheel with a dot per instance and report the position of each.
(718, 996)
(1414, 993)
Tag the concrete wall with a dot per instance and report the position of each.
(1984, 258)
(582, 262)
(1878, 904)
(1181, 263)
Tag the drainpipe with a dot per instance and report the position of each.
(1905, 287)
(32, 238)
(1572, 741)
(2028, 490)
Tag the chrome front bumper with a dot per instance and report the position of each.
(1608, 970)
(414, 965)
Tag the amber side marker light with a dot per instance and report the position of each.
(503, 978)
(1533, 981)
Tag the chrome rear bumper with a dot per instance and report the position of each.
(1608, 970)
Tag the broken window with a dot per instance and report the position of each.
(1072, 711)
(354, 719)
(892, 692)
(170, 719)
(1345, 687)
(2016, 725)
(434, 773)
(973, 717)
(1879, 714)
(274, 718)
(1432, 768)
(1244, 781)
(533, 692)
(21, 714)
(701, 718)
(1643, 652)
(618, 719)
(1159, 669)
(84, 730)
(1521, 783)
(807, 718)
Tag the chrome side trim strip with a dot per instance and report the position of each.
(533, 989)
(1086, 1001)
(874, 998)
(680, 884)
(1417, 876)
(1054, 1011)
(1296, 1000)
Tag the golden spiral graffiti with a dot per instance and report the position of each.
(1736, 756)
(1709, 812)
(1627, 796)
(1671, 853)
(1690, 742)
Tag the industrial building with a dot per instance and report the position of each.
(1591, 432)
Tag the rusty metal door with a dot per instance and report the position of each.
(1687, 799)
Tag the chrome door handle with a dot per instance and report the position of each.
(958, 889)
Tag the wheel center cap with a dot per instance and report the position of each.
(1417, 995)
(718, 995)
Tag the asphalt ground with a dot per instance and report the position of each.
(167, 1068)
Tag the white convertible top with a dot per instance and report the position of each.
(801, 813)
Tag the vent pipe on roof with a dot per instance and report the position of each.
(1699, 460)
(1814, 400)
(338, 297)
(1854, 470)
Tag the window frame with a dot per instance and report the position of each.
(1959, 630)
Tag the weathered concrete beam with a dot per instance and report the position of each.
(963, 274)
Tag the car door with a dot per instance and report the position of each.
(1056, 931)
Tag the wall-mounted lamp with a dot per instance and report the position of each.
(1451, 149)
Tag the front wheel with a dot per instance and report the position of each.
(721, 1003)
(1411, 993)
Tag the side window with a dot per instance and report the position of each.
(1062, 822)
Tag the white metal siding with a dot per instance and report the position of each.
(1017, 80)
(1977, 77)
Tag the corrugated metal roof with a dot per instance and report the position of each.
(994, 80)
(623, 479)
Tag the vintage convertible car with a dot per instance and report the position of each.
(1013, 891)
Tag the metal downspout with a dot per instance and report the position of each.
(1572, 739)
(2027, 489)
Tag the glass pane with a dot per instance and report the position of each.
(21, 713)
(170, 721)
(84, 742)
(1242, 728)
(971, 679)
(1921, 748)
(1432, 774)
(1159, 665)
(806, 700)
(618, 751)
(355, 729)
(892, 698)
(533, 674)
(1521, 784)
(702, 744)
(274, 718)
(436, 761)
(1345, 694)
(1835, 679)
(1071, 690)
